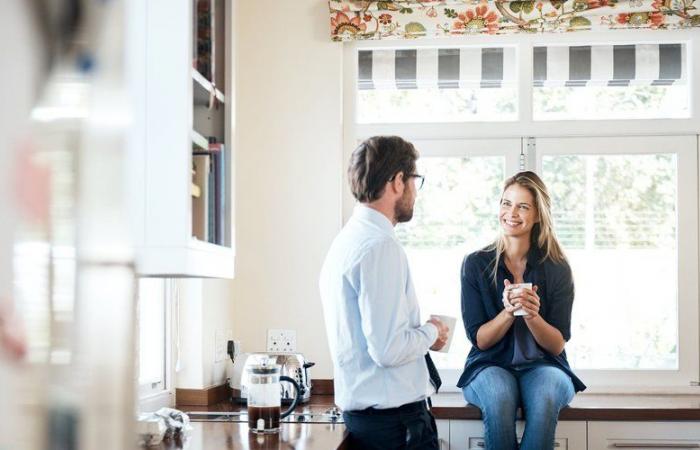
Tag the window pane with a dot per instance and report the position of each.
(151, 330)
(436, 85)
(611, 102)
(455, 214)
(616, 216)
(436, 105)
(644, 81)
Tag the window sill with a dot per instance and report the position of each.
(154, 402)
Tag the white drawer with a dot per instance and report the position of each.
(478, 443)
(643, 435)
(443, 429)
(469, 435)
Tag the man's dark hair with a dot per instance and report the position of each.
(375, 161)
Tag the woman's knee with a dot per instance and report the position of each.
(562, 388)
(495, 391)
(551, 389)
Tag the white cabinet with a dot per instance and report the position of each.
(443, 429)
(643, 435)
(178, 122)
(469, 435)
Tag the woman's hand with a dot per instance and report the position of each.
(527, 299)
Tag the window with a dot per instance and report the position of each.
(153, 335)
(454, 215)
(610, 82)
(625, 206)
(625, 223)
(436, 84)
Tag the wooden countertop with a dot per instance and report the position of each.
(591, 407)
(452, 405)
(228, 435)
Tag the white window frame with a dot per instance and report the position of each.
(156, 394)
(525, 127)
(685, 149)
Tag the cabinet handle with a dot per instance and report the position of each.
(481, 444)
(650, 445)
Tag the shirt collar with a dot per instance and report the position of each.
(373, 216)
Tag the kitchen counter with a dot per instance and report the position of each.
(235, 436)
(591, 407)
(450, 406)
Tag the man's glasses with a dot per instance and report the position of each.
(419, 185)
(420, 179)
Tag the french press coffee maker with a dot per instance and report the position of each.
(264, 397)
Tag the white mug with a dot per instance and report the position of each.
(450, 322)
(514, 287)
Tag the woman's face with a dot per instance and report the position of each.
(518, 212)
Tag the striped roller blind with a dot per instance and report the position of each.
(609, 65)
(444, 68)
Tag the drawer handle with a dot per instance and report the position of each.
(481, 444)
(649, 445)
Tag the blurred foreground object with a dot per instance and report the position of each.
(64, 123)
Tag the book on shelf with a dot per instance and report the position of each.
(204, 39)
(200, 205)
(216, 187)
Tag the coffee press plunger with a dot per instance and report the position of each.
(264, 397)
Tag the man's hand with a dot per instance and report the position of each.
(443, 333)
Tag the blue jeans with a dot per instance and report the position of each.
(542, 391)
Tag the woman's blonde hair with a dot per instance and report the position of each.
(542, 234)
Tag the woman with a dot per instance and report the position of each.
(519, 360)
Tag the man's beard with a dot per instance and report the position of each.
(403, 211)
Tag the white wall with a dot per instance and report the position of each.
(206, 306)
(289, 166)
(217, 316)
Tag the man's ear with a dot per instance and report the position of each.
(398, 183)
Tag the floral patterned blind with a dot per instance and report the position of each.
(356, 19)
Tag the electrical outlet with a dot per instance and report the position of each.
(283, 341)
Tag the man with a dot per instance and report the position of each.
(372, 318)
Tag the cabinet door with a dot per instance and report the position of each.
(443, 428)
(643, 435)
(469, 435)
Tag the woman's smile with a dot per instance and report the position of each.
(512, 223)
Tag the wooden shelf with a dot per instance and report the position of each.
(202, 88)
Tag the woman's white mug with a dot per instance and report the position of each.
(517, 288)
